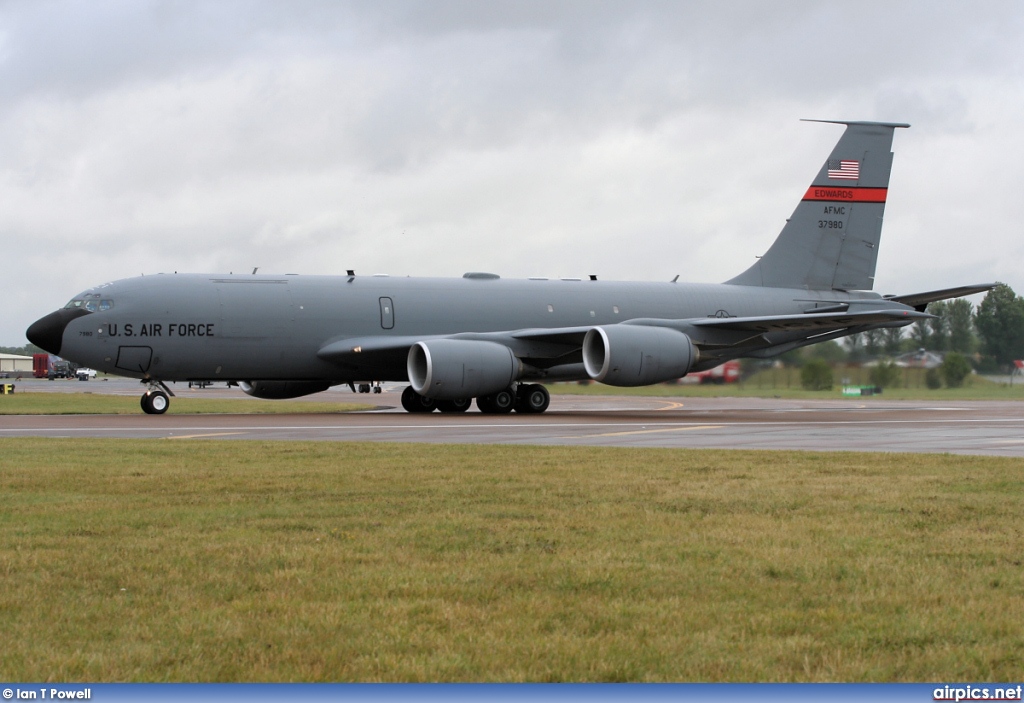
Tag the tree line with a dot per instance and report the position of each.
(27, 350)
(992, 335)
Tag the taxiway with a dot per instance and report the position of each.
(976, 427)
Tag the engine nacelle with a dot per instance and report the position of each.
(453, 369)
(279, 390)
(637, 355)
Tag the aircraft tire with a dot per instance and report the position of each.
(155, 403)
(499, 403)
(413, 402)
(408, 398)
(532, 398)
(454, 406)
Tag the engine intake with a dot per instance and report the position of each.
(279, 390)
(637, 355)
(453, 369)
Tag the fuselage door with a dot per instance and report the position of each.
(135, 359)
(387, 313)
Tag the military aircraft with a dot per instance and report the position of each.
(495, 339)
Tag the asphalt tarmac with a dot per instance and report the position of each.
(870, 424)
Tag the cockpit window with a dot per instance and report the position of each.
(92, 303)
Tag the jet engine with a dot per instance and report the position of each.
(278, 390)
(453, 369)
(637, 355)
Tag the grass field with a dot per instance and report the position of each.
(98, 404)
(215, 561)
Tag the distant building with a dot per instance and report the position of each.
(15, 364)
(919, 359)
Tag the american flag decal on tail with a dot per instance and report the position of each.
(843, 169)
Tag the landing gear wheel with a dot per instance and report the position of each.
(413, 402)
(155, 403)
(454, 406)
(498, 403)
(364, 387)
(532, 398)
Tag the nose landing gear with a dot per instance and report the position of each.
(156, 399)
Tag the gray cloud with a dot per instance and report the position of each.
(634, 140)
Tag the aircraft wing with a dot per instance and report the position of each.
(527, 343)
(374, 351)
(547, 347)
(719, 339)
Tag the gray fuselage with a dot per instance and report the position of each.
(180, 327)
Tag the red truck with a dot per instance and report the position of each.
(729, 372)
(51, 367)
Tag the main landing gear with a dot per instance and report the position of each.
(156, 399)
(529, 398)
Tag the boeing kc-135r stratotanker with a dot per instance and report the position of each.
(494, 339)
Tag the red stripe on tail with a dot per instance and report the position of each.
(846, 195)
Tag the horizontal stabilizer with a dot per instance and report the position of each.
(920, 301)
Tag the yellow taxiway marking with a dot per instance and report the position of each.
(665, 429)
(197, 436)
(672, 405)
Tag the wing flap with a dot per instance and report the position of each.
(809, 321)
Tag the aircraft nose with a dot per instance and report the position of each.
(48, 332)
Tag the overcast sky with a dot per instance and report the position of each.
(633, 140)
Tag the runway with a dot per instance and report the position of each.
(975, 427)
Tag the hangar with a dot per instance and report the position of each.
(15, 363)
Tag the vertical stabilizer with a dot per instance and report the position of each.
(831, 240)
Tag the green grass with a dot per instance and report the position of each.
(287, 561)
(96, 404)
(785, 383)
